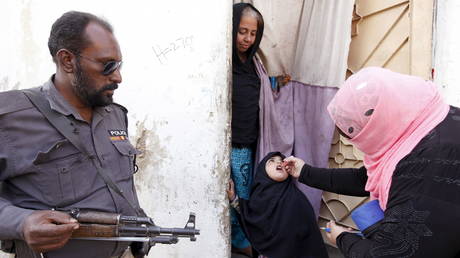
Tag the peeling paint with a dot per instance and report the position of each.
(149, 144)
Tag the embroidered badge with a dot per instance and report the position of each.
(118, 135)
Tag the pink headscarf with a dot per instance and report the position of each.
(386, 114)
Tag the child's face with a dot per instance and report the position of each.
(275, 170)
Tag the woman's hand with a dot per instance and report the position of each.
(231, 190)
(293, 166)
(336, 230)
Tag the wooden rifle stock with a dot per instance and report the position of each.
(95, 230)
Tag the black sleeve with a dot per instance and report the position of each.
(348, 181)
(352, 245)
(421, 212)
(408, 230)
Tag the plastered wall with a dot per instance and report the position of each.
(447, 51)
(175, 84)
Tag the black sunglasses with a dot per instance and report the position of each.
(109, 67)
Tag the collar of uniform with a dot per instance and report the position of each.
(58, 102)
(103, 111)
(99, 114)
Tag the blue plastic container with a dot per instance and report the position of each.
(367, 214)
(273, 82)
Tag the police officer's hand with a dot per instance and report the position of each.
(47, 230)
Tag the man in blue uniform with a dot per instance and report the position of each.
(41, 171)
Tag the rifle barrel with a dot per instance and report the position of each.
(129, 230)
(152, 240)
(118, 239)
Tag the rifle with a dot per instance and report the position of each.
(104, 226)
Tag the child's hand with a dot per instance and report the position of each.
(231, 190)
(336, 230)
(293, 166)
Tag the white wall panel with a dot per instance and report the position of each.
(447, 51)
(175, 84)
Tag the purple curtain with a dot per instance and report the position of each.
(313, 130)
(295, 122)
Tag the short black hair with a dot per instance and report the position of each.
(68, 32)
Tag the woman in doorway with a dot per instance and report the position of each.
(248, 27)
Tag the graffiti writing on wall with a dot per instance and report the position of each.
(163, 52)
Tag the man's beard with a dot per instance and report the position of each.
(84, 89)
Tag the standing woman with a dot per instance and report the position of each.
(248, 27)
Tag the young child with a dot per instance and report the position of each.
(278, 219)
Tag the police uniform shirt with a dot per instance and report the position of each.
(40, 169)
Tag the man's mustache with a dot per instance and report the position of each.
(112, 86)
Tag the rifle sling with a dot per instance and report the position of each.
(62, 125)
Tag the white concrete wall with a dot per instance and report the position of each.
(176, 57)
(446, 61)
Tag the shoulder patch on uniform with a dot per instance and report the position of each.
(124, 114)
(13, 101)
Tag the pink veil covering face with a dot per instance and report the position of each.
(386, 114)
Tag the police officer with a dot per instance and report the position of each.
(41, 171)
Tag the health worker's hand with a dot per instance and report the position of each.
(293, 166)
(336, 230)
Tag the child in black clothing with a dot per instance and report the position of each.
(278, 219)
